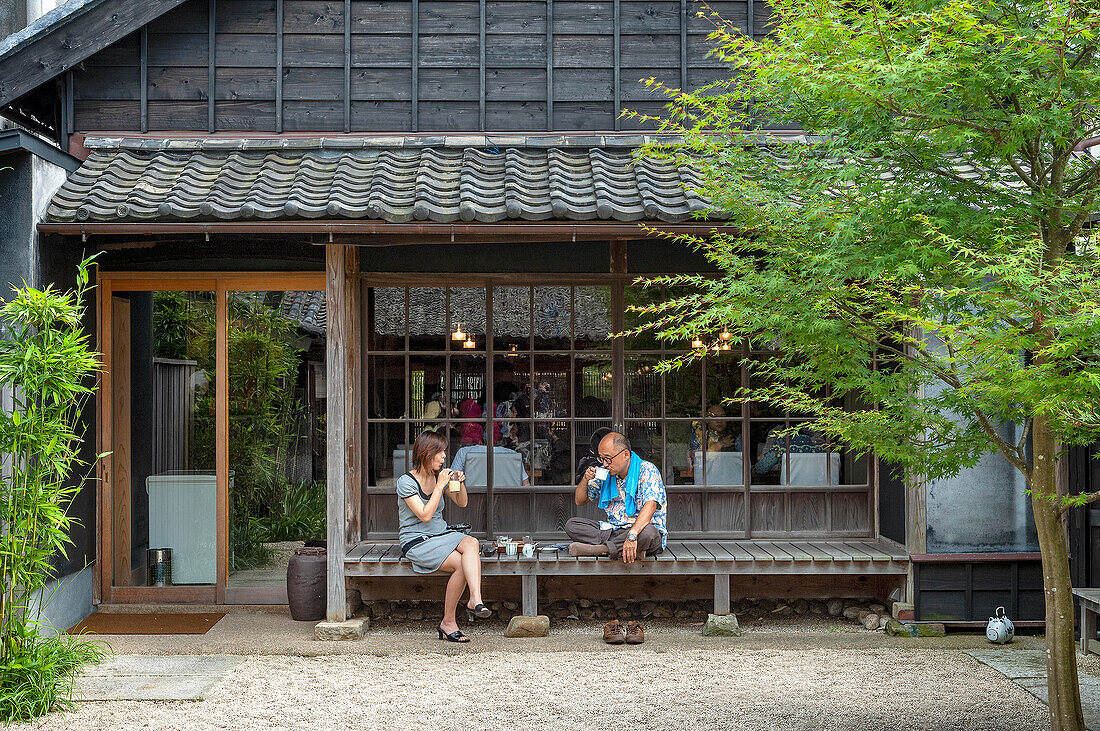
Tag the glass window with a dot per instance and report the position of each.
(164, 438)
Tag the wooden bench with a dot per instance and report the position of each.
(1090, 608)
(720, 559)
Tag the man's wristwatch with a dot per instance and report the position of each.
(631, 536)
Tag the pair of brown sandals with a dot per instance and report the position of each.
(617, 633)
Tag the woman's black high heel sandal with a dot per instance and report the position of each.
(455, 636)
(479, 612)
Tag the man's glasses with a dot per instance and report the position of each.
(609, 460)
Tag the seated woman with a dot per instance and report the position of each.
(425, 538)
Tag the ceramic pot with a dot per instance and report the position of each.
(306, 584)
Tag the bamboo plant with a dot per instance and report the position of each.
(47, 371)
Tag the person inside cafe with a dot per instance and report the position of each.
(425, 538)
(716, 432)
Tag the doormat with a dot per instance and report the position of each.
(108, 623)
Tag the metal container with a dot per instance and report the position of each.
(159, 561)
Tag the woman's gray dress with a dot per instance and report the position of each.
(426, 556)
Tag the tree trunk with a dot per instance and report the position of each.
(1062, 688)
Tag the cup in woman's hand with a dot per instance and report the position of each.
(454, 484)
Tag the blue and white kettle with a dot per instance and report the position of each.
(1000, 629)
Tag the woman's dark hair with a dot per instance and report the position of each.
(426, 446)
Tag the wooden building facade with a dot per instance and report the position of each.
(443, 199)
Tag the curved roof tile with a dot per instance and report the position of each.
(440, 184)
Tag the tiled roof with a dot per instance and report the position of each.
(396, 182)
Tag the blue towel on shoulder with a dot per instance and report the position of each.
(610, 489)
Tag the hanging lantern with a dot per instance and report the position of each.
(469, 344)
(725, 346)
(458, 335)
(698, 344)
(725, 335)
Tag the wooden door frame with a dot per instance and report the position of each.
(220, 284)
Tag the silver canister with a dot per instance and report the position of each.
(159, 561)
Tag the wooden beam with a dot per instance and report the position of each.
(549, 65)
(144, 79)
(481, 68)
(347, 65)
(71, 41)
(415, 65)
(353, 431)
(618, 70)
(211, 77)
(335, 363)
(278, 65)
(120, 405)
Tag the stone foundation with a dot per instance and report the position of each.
(856, 611)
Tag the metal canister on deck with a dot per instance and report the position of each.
(159, 561)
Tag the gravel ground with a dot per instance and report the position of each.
(724, 686)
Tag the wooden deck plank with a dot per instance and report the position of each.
(735, 550)
(375, 552)
(873, 550)
(678, 552)
(701, 550)
(721, 553)
(392, 554)
(356, 552)
(816, 553)
(833, 550)
(777, 552)
(793, 549)
(858, 553)
(757, 553)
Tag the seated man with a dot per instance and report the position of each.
(633, 496)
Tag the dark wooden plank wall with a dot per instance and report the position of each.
(352, 65)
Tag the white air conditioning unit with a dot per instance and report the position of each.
(183, 507)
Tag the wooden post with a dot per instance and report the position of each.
(353, 430)
(721, 593)
(335, 369)
(120, 403)
(530, 595)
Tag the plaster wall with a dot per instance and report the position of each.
(64, 602)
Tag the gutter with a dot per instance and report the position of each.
(12, 140)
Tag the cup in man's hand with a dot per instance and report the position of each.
(601, 475)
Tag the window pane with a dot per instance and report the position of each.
(511, 319)
(643, 386)
(388, 454)
(647, 440)
(427, 319)
(683, 390)
(811, 462)
(512, 373)
(549, 454)
(678, 466)
(551, 394)
(385, 386)
(592, 386)
(467, 313)
(586, 436)
(723, 382)
(387, 318)
(164, 487)
(768, 451)
(553, 318)
(759, 379)
(427, 392)
(276, 485)
(592, 316)
(640, 297)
